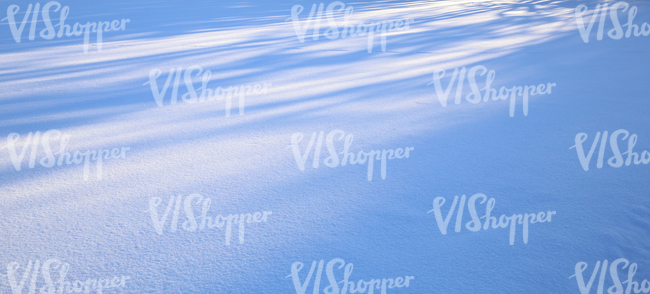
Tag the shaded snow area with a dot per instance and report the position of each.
(380, 147)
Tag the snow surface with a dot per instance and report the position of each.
(103, 228)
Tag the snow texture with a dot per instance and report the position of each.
(103, 228)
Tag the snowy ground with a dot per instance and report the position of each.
(245, 163)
